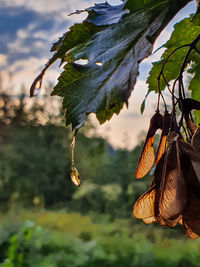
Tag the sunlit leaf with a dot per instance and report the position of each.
(188, 28)
(114, 40)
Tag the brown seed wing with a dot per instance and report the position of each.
(191, 215)
(144, 206)
(195, 142)
(188, 104)
(146, 159)
(191, 126)
(147, 156)
(161, 148)
(196, 166)
(193, 155)
(149, 220)
(172, 198)
(189, 232)
(188, 151)
(165, 131)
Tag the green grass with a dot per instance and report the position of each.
(70, 238)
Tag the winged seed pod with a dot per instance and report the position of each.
(192, 151)
(174, 194)
(163, 138)
(191, 215)
(188, 104)
(171, 197)
(164, 202)
(195, 142)
(190, 125)
(147, 156)
(144, 208)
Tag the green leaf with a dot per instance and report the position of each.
(114, 40)
(142, 108)
(189, 28)
(194, 85)
(184, 33)
(198, 5)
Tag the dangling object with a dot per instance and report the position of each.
(74, 174)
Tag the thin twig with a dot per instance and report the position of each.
(39, 78)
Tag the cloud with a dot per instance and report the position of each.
(3, 60)
(16, 38)
(53, 7)
(28, 28)
(24, 71)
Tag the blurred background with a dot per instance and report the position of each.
(44, 219)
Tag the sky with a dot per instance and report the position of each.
(27, 30)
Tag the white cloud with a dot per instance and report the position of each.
(18, 47)
(46, 6)
(22, 34)
(25, 71)
(3, 60)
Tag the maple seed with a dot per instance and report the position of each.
(147, 156)
(190, 125)
(163, 138)
(144, 207)
(174, 193)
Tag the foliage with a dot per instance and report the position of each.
(40, 174)
(35, 166)
(189, 28)
(74, 240)
(104, 84)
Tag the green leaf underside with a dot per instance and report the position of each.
(194, 85)
(119, 42)
(184, 33)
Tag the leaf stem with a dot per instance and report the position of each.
(39, 78)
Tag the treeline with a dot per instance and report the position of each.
(35, 163)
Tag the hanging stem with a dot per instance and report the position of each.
(160, 95)
(72, 150)
(180, 76)
(168, 86)
(173, 98)
(162, 74)
(167, 58)
(74, 172)
(73, 143)
(39, 78)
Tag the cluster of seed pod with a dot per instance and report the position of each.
(174, 194)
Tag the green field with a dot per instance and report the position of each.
(41, 238)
